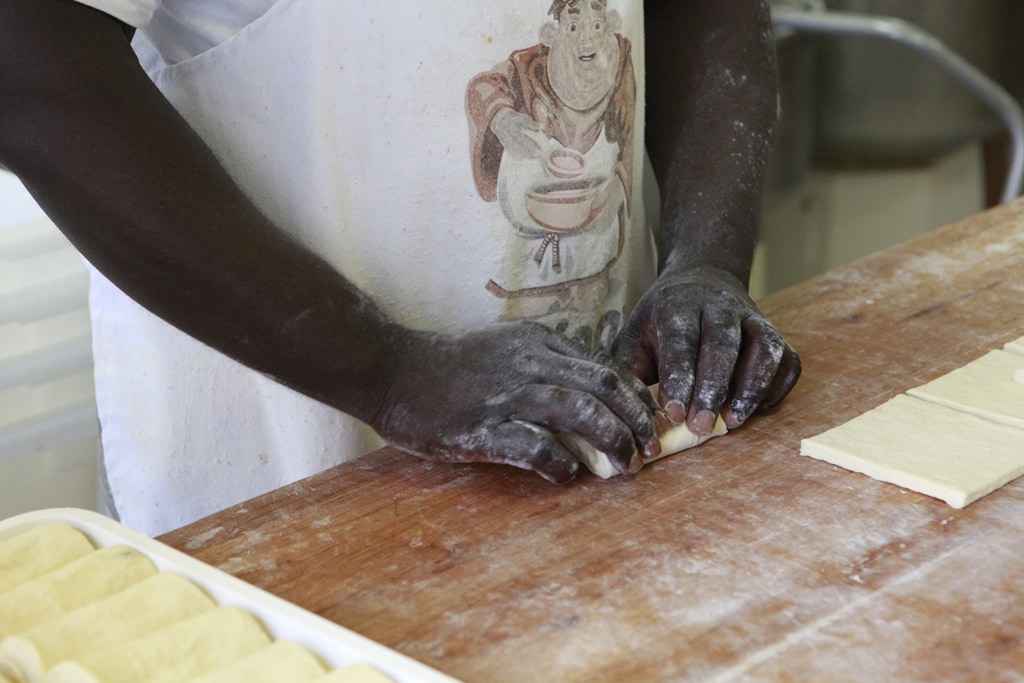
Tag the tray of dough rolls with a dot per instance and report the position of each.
(84, 599)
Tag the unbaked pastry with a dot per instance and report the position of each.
(984, 387)
(185, 648)
(929, 448)
(38, 550)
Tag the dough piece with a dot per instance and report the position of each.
(158, 601)
(38, 550)
(1018, 375)
(676, 439)
(355, 673)
(281, 662)
(925, 447)
(88, 579)
(1016, 346)
(174, 653)
(984, 387)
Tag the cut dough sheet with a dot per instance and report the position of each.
(355, 673)
(281, 662)
(90, 578)
(151, 604)
(673, 441)
(950, 455)
(984, 387)
(186, 648)
(38, 550)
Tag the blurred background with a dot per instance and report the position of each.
(876, 145)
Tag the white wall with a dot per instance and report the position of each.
(48, 425)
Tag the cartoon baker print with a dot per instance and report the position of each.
(551, 133)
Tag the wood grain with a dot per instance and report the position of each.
(736, 561)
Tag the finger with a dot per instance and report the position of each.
(721, 336)
(529, 447)
(632, 351)
(625, 397)
(679, 347)
(578, 412)
(785, 379)
(756, 368)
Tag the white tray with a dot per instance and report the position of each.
(336, 645)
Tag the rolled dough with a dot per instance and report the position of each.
(984, 387)
(673, 441)
(1016, 346)
(355, 673)
(153, 603)
(281, 662)
(38, 550)
(90, 578)
(174, 653)
(926, 447)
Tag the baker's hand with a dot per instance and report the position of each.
(701, 337)
(503, 393)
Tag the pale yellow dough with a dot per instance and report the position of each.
(171, 654)
(90, 578)
(355, 673)
(38, 550)
(1016, 346)
(673, 441)
(984, 387)
(281, 662)
(142, 608)
(938, 451)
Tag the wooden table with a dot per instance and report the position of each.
(738, 560)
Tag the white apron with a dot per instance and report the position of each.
(348, 125)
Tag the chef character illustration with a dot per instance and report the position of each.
(551, 135)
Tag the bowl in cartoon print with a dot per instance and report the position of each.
(565, 163)
(567, 205)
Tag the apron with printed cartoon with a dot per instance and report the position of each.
(463, 163)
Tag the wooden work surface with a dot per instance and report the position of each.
(738, 560)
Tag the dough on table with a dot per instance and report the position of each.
(282, 662)
(355, 673)
(185, 648)
(1018, 375)
(984, 387)
(92, 577)
(39, 549)
(1016, 346)
(676, 439)
(144, 607)
(926, 447)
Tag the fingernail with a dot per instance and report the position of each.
(675, 411)
(661, 422)
(704, 422)
(652, 449)
(731, 418)
(635, 463)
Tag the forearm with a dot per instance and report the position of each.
(148, 204)
(711, 112)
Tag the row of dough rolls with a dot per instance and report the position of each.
(74, 613)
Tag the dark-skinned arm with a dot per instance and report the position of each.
(147, 203)
(711, 113)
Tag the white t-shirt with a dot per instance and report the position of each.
(365, 130)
